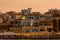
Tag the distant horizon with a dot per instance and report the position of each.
(31, 10)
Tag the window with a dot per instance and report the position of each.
(42, 29)
(37, 17)
(49, 29)
(34, 30)
(46, 24)
(26, 30)
(43, 24)
(30, 17)
(48, 16)
(26, 23)
(11, 22)
(16, 22)
(36, 24)
(23, 17)
(40, 24)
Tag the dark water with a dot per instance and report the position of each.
(29, 39)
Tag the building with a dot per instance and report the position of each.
(32, 23)
(55, 16)
(26, 11)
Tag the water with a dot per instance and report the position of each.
(29, 39)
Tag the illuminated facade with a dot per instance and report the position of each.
(32, 22)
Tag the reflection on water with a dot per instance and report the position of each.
(29, 39)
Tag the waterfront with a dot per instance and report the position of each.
(29, 39)
(26, 24)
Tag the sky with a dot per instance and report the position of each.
(36, 5)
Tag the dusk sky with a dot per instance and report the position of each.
(36, 5)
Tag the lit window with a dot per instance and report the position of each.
(26, 30)
(34, 30)
(26, 24)
(23, 17)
